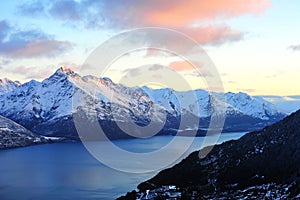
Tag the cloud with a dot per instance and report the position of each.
(181, 66)
(18, 70)
(188, 16)
(37, 48)
(294, 47)
(132, 72)
(86, 12)
(155, 67)
(186, 12)
(247, 90)
(4, 62)
(15, 43)
(4, 29)
(213, 34)
(30, 72)
(177, 13)
(232, 82)
(272, 76)
(66, 10)
(34, 9)
(38, 72)
(145, 70)
(197, 73)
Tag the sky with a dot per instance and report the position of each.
(254, 44)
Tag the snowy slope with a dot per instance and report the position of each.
(7, 85)
(55, 99)
(253, 106)
(199, 102)
(7, 124)
(48, 107)
(195, 102)
(288, 104)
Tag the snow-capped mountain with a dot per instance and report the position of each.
(195, 102)
(49, 107)
(243, 112)
(288, 104)
(239, 103)
(7, 85)
(255, 107)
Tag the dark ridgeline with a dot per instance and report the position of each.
(13, 135)
(261, 164)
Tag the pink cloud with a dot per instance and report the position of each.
(185, 12)
(213, 34)
(188, 16)
(181, 66)
(125, 13)
(38, 48)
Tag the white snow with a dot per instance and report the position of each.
(7, 85)
(65, 92)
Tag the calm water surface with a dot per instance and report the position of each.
(68, 171)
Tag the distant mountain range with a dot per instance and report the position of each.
(288, 104)
(48, 107)
(261, 165)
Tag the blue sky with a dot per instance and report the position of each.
(254, 44)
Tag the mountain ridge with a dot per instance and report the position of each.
(13, 135)
(261, 164)
(53, 102)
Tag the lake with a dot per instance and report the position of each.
(69, 171)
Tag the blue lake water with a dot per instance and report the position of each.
(69, 171)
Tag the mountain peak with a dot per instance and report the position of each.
(65, 70)
(61, 73)
(5, 81)
(7, 85)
